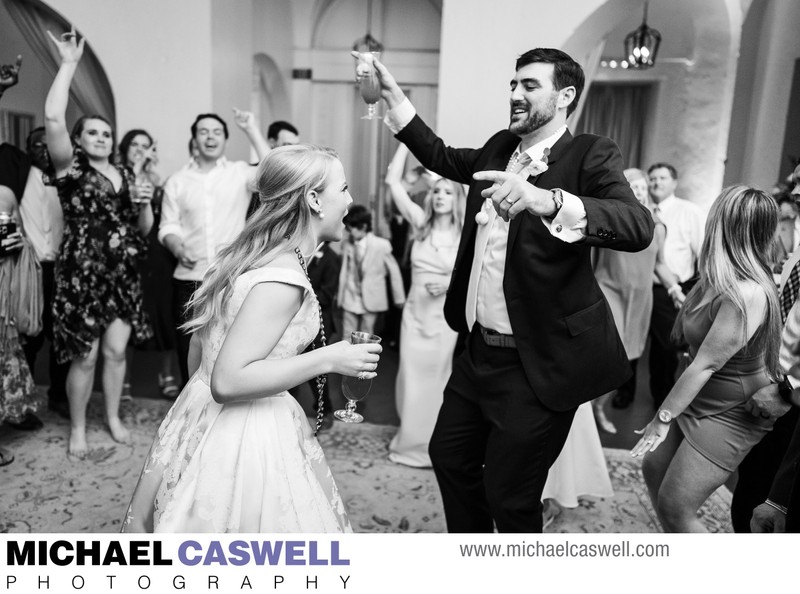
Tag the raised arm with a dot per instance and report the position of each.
(247, 122)
(456, 164)
(55, 106)
(409, 210)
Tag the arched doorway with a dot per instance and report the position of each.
(23, 28)
(270, 100)
(692, 81)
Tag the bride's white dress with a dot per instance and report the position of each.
(246, 467)
(581, 468)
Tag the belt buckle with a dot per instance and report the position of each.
(495, 339)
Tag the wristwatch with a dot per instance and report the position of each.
(557, 199)
(665, 416)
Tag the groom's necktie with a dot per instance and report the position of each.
(516, 164)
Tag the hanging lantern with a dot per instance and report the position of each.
(368, 43)
(641, 45)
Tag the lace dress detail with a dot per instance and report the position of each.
(243, 467)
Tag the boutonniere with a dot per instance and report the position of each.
(532, 169)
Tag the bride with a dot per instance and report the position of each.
(236, 453)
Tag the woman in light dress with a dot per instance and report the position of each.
(236, 452)
(426, 341)
(627, 283)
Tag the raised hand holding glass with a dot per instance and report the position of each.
(369, 87)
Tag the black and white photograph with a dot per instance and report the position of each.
(398, 267)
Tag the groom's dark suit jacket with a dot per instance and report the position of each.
(563, 328)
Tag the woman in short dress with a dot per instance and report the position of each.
(731, 322)
(98, 296)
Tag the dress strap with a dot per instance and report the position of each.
(278, 274)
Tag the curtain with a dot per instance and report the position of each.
(591, 64)
(90, 89)
(619, 111)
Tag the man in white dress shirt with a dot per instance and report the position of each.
(204, 209)
(685, 224)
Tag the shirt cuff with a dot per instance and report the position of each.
(165, 230)
(569, 224)
(399, 117)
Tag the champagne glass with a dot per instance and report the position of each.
(353, 388)
(369, 87)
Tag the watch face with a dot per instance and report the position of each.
(664, 416)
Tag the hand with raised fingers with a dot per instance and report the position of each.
(69, 48)
(244, 119)
(511, 194)
(9, 74)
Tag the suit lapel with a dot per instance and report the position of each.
(556, 152)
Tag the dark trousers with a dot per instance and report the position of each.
(663, 361)
(628, 389)
(494, 443)
(758, 469)
(57, 392)
(182, 294)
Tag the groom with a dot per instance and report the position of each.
(541, 336)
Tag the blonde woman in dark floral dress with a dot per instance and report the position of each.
(98, 298)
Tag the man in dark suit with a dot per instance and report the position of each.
(542, 339)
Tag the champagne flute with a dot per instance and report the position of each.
(369, 87)
(354, 388)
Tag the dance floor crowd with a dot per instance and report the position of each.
(522, 283)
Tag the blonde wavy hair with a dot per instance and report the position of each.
(740, 231)
(459, 206)
(280, 224)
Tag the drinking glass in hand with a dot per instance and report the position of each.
(141, 191)
(369, 86)
(355, 388)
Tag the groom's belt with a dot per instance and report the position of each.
(495, 339)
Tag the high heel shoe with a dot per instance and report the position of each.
(169, 389)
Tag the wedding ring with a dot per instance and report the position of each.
(362, 375)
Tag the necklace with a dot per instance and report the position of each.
(321, 379)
